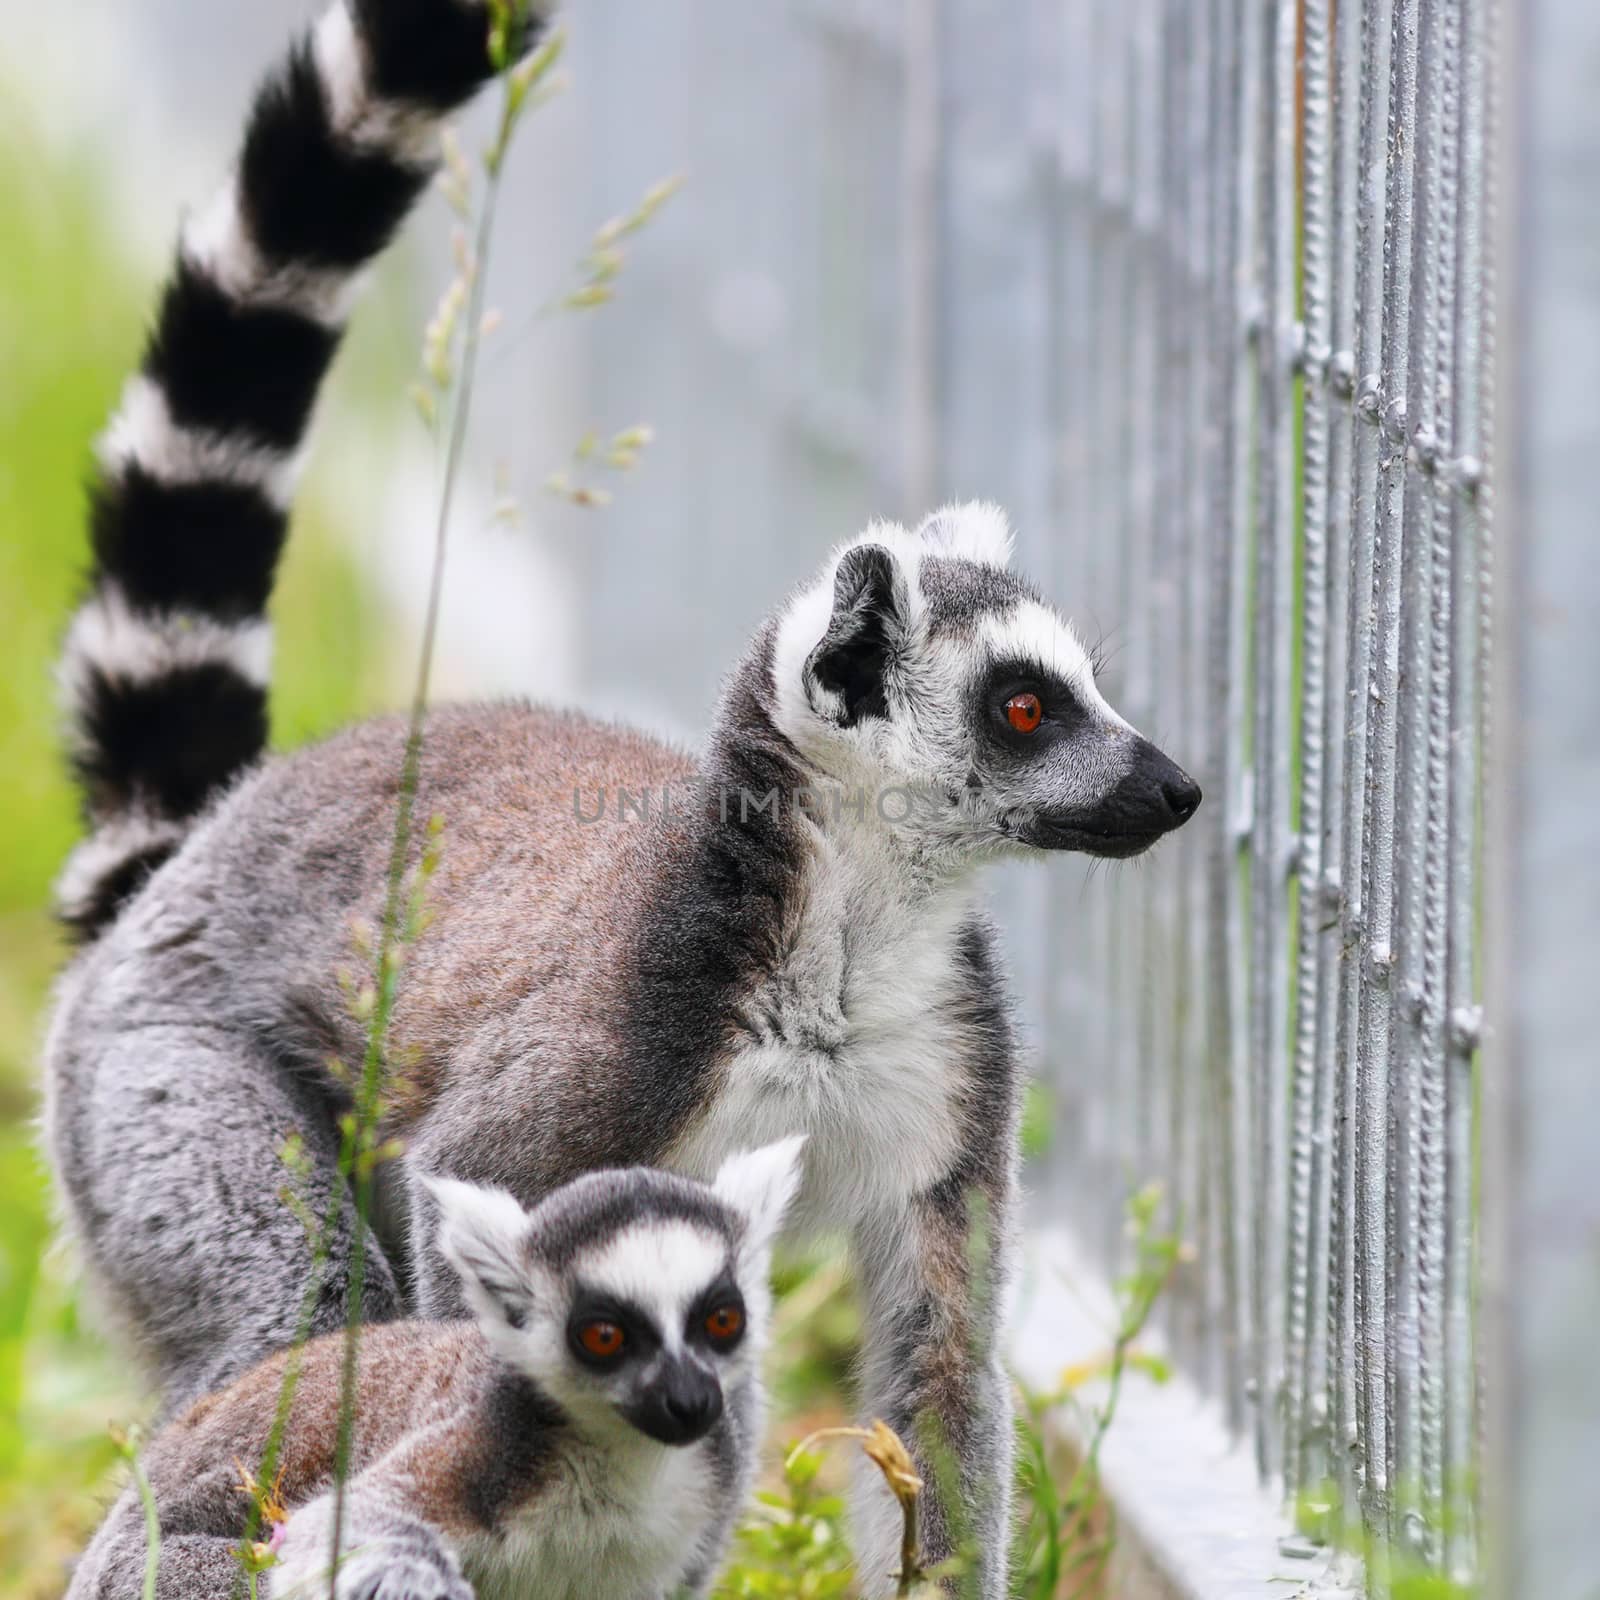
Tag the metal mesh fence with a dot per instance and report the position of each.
(1273, 222)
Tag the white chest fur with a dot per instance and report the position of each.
(854, 1040)
(620, 1523)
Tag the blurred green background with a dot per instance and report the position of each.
(72, 315)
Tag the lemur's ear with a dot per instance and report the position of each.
(484, 1235)
(845, 675)
(760, 1185)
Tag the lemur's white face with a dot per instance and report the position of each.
(634, 1299)
(920, 675)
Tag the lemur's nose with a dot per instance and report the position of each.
(691, 1404)
(683, 1405)
(694, 1413)
(1182, 795)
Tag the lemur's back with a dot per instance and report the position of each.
(257, 915)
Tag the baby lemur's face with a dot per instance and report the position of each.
(657, 1324)
(634, 1298)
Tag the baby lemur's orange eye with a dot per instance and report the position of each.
(601, 1338)
(725, 1323)
(1023, 712)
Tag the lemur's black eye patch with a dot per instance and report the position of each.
(603, 1330)
(1025, 707)
(717, 1317)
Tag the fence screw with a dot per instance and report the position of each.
(1252, 320)
(1466, 1029)
(1380, 964)
(1295, 347)
(1468, 472)
(1411, 1002)
(1425, 451)
(1414, 1531)
(1393, 426)
(1245, 811)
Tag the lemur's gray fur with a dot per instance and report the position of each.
(505, 1453)
(785, 935)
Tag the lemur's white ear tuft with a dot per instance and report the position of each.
(761, 1183)
(976, 531)
(483, 1233)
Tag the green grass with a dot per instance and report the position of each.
(72, 316)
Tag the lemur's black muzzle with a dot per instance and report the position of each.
(1152, 798)
(682, 1405)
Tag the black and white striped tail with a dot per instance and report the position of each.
(166, 662)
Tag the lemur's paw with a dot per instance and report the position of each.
(399, 1571)
(412, 1564)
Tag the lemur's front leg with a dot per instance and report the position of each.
(933, 1275)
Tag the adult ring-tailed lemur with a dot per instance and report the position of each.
(794, 943)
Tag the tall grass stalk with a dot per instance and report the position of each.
(127, 1443)
(360, 1153)
(253, 1556)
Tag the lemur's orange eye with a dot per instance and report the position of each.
(725, 1323)
(1023, 712)
(601, 1339)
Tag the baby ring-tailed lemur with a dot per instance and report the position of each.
(781, 930)
(592, 1434)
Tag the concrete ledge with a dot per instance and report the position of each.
(1194, 1522)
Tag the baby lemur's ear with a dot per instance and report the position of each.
(483, 1234)
(760, 1184)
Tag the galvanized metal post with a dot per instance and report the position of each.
(1473, 388)
(1225, 1046)
(1312, 1082)
(1196, 1192)
(1272, 533)
(1336, 370)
